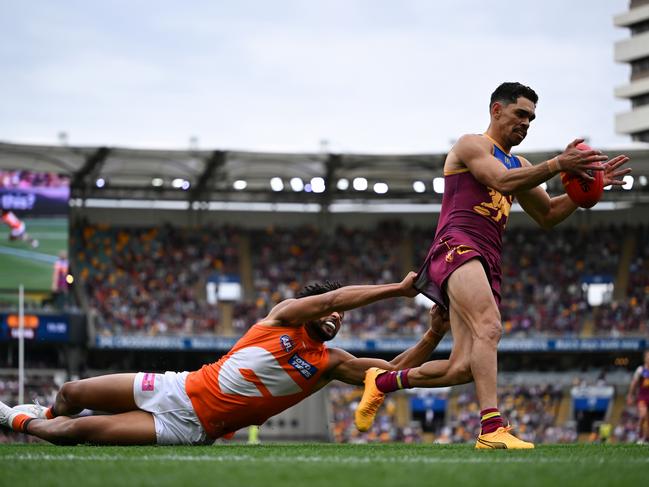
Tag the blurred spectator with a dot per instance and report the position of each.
(151, 280)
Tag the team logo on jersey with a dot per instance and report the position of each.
(287, 343)
(302, 366)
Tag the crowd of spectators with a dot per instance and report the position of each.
(544, 273)
(532, 410)
(151, 280)
(344, 399)
(29, 179)
(284, 260)
(630, 314)
(626, 430)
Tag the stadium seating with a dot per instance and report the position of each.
(148, 280)
(151, 280)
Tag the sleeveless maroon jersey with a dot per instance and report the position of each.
(471, 225)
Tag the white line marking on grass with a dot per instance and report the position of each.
(28, 254)
(49, 235)
(485, 459)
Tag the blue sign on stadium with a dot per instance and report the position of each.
(380, 344)
(47, 328)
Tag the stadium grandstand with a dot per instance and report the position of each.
(172, 255)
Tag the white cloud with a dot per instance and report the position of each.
(369, 76)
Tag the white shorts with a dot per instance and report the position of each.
(164, 396)
(18, 232)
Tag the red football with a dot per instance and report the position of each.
(582, 192)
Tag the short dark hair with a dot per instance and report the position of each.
(509, 92)
(318, 288)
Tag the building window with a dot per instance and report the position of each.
(640, 27)
(640, 68)
(639, 101)
(641, 136)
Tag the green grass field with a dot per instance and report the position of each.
(19, 263)
(312, 465)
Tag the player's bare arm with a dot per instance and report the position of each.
(473, 152)
(548, 212)
(294, 312)
(347, 368)
(633, 387)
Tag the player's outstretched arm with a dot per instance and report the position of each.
(474, 152)
(297, 311)
(548, 212)
(350, 369)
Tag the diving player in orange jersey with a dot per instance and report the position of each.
(280, 360)
(17, 228)
(463, 270)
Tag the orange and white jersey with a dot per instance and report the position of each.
(268, 370)
(13, 222)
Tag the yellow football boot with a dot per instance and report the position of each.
(370, 402)
(502, 439)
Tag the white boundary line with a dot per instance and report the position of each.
(486, 459)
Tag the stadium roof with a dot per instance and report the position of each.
(202, 176)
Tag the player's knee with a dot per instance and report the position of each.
(69, 393)
(490, 328)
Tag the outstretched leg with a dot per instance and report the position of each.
(131, 428)
(108, 393)
(435, 373)
(455, 370)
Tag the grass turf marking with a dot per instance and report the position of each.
(486, 459)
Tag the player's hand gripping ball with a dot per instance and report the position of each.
(581, 191)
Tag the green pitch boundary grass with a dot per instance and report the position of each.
(312, 465)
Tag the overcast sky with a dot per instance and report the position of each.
(367, 75)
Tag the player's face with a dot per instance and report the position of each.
(326, 328)
(514, 119)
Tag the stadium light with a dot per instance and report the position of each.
(318, 185)
(359, 184)
(157, 182)
(177, 183)
(438, 185)
(628, 182)
(240, 184)
(297, 184)
(419, 187)
(642, 180)
(380, 188)
(185, 186)
(100, 183)
(276, 184)
(342, 184)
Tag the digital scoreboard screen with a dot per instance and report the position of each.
(33, 230)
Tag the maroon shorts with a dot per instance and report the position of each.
(445, 255)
